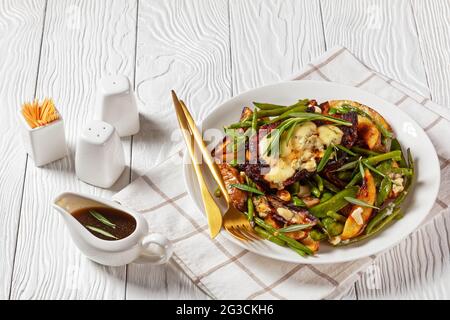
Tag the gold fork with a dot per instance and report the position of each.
(234, 221)
(213, 213)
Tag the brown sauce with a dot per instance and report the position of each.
(106, 223)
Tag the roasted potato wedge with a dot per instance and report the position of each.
(246, 114)
(369, 133)
(359, 216)
(310, 243)
(375, 115)
(231, 176)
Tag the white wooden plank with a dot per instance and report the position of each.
(20, 38)
(381, 33)
(270, 40)
(433, 25)
(184, 46)
(83, 40)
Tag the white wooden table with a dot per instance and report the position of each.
(207, 51)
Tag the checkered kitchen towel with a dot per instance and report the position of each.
(224, 270)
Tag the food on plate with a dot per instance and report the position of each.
(309, 173)
(39, 114)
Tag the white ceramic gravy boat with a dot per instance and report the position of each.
(139, 247)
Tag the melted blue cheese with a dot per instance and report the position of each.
(330, 134)
(300, 152)
(306, 145)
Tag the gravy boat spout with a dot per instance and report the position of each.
(139, 246)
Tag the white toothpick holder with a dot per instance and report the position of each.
(116, 104)
(99, 158)
(44, 144)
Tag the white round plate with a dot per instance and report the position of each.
(408, 132)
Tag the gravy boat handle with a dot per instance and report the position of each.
(152, 256)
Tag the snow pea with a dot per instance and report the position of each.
(384, 190)
(333, 227)
(335, 203)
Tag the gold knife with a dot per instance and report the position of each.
(213, 213)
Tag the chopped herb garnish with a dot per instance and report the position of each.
(102, 232)
(295, 227)
(360, 202)
(102, 219)
(325, 158)
(246, 188)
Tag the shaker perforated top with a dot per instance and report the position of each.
(112, 85)
(97, 131)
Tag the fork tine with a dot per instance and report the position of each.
(235, 234)
(249, 233)
(241, 231)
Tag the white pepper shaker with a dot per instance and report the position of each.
(116, 104)
(99, 158)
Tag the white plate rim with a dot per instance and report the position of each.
(189, 177)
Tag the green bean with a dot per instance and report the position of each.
(328, 185)
(403, 171)
(333, 227)
(325, 158)
(348, 151)
(395, 145)
(298, 202)
(394, 155)
(289, 241)
(384, 190)
(314, 189)
(295, 187)
(336, 216)
(255, 122)
(300, 252)
(319, 182)
(233, 162)
(337, 202)
(267, 106)
(379, 217)
(275, 112)
(411, 163)
(396, 203)
(270, 106)
(245, 124)
(266, 235)
(250, 209)
(344, 175)
(287, 113)
(316, 235)
(326, 196)
(384, 166)
(217, 192)
(364, 151)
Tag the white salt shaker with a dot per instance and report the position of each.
(44, 144)
(116, 104)
(99, 158)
